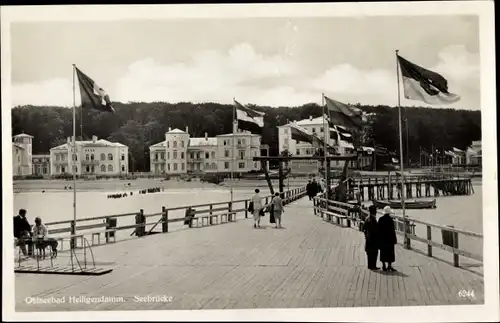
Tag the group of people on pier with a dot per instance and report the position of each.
(151, 190)
(380, 235)
(259, 209)
(32, 236)
(313, 188)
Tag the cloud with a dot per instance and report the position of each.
(251, 77)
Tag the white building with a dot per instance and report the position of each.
(22, 145)
(41, 165)
(473, 154)
(315, 126)
(180, 153)
(93, 157)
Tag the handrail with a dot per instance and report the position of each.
(323, 205)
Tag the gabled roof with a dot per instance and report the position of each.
(199, 142)
(319, 121)
(177, 131)
(90, 143)
(23, 135)
(157, 145)
(247, 134)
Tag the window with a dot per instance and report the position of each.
(191, 155)
(123, 156)
(63, 170)
(321, 129)
(226, 153)
(168, 167)
(239, 142)
(313, 130)
(92, 157)
(242, 154)
(103, 156)
(175, 166)
(162, 156)
(225, 142)
(110, 168)
(213, 154)
(123, 168)
(198, 155)
(103, 168)
(175, 155)
(168, 154)
(255, 165)
(241, 165)
(214, 166)
(87, 169)
(226, 165)
(298, 151)
(182, 166)
(168, 144)
(76, 170)
(182, 155)
(87, 157)
(75, 157)
(162, 167)
(242, 141)
(182, 143)
(156, 156)
(207, 155)
(175, 144)
(110, 157)
(207, 165)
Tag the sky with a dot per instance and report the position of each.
(264, 61)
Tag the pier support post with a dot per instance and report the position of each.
(210, 213)
(72, 241)
(429, 239)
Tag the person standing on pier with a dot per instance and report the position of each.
(388, 239)
(370, 229)
(277, 209)
(257, 208)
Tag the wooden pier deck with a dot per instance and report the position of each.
(309, 263)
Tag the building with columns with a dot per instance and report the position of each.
(182, 154)
(92, 157)
(41, 165)
(22, 146)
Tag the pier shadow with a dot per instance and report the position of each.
(392, 273)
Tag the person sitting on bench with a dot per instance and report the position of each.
(22, 232)
(40, 236)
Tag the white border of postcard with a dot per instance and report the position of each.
(473, 313)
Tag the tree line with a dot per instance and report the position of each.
(140, 124)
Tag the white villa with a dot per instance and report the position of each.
(93, 157)
(473, 154)
(314, 126)
(181, 154)
(22, 145)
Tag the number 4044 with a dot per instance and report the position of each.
(466, 293)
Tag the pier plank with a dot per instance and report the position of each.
(309, 263)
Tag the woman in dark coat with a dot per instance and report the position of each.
(387, 236)
(370, 228)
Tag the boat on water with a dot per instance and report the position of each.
(409, 204)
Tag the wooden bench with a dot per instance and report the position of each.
(339, 217)
(98, 235)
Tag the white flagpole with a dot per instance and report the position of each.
(325, 150)
(233, 124)
(73, 230)
(406, 239)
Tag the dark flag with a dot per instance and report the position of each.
(424, 85)
(343, 114)
(93, 96)
(248, 119)
(300, 134)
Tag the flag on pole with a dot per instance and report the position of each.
(456, 150)
(93, 96)
(424, 85)
(342, 114)
(249, 119)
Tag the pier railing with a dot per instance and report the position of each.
(141, 224)
(349, 215)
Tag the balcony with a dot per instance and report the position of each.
(61, 162)
(90, 162)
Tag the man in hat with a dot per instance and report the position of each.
(387, 236)
(370, 229)
(22, 232)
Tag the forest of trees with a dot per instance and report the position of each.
(139, 125)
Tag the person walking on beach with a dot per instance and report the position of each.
(257, 208)
(277, 209)
(387, 238)
(22, 232)
(370, 229)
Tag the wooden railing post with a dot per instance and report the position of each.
(455, 245)
(230, 209)
(211, 213)
(246, 209)
(429, 239)
(164, 225)
(140, 219)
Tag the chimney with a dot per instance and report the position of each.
(169, 129)
(94, 139)
(310, 118)
(206, 135)
(187, 129)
